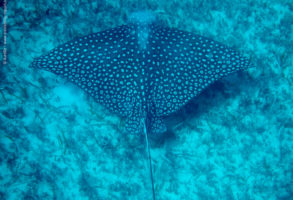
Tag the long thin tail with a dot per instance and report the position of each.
(150, 160)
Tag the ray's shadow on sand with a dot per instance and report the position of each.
(209, 98)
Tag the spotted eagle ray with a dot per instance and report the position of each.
(142, 71)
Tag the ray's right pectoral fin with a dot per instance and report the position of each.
(157, 125)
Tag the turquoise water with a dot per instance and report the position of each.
(233, 141)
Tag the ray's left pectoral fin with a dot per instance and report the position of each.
(134, 122)
(133, 125)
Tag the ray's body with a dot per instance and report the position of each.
(142, 71)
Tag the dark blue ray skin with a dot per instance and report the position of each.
(142, 71)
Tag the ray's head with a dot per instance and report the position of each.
(142, 17)
(142, 22)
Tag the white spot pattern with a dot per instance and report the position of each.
(142, 72)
